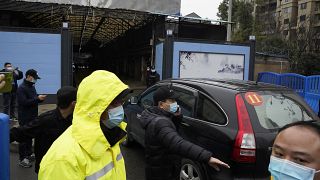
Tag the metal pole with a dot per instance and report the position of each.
(229, 21)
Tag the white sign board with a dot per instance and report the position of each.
(211, 65)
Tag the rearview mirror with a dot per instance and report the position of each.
(133, 100)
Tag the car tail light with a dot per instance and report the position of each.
(245, 146)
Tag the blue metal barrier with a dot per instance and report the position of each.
(307, 87)
(312, 92)
(269, 77)
(294, 81)
(4, 147)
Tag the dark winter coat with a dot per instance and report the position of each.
(45, 129)
(164, 145)
(27, 102)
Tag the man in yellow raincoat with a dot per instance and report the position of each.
(89, 148)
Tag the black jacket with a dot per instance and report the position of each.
(152, 78)
(16, 77)
(164, 145)
(45, 129)
(27, 102)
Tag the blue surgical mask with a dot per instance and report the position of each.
(174, 107)
(34, 81)
(115, 117)
(281, 169)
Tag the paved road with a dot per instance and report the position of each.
(134, 158)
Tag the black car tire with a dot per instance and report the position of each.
(191, 171)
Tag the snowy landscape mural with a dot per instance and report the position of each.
(210, 65)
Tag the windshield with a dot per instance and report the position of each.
(277, 109)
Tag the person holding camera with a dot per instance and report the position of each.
(9, 98)
(2, 81)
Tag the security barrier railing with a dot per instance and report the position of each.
(307, 87)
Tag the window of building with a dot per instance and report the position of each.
(285, 33)
(209, 111)
(317, 18)
(287, 10)
(286, 21)
(303, 6)
(302, 18)
(317, 7)
(286, 0)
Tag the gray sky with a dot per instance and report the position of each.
(204, 8)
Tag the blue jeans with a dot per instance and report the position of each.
(9, 104)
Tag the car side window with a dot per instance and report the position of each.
(146, 100)
(186, 101)
(209, 111)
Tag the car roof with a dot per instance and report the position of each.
(240, 85)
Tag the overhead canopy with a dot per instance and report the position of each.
(152, 6)
(86, 22)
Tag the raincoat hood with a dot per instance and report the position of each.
(94, 95)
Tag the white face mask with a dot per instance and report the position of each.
(9, 68)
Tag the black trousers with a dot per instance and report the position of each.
(25, 148)
(9, 103)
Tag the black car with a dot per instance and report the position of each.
(236, 120)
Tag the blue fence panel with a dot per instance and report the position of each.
(312, 92)
(269, 77)
(294, 81)
(4, 147)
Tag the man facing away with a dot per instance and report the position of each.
(296, 152)
(9, 98)
(28, 101)
(47, 127)
(89, 148)
(164, 145)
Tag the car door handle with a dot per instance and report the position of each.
(185, 124)
(138, 116)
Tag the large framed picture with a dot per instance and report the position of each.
(211, 65)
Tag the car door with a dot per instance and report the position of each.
(207, 127)
(145, 100)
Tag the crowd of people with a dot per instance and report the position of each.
(80, 139)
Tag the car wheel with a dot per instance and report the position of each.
(191, 171)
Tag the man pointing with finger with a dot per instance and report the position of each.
(164, 145)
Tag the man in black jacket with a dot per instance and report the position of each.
(49, 125)
(163, 144)
(28, 100)
(9, 98)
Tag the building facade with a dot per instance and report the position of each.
(292, 19)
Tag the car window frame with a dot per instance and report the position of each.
(193, 91)
(148, 90)
(219, 107)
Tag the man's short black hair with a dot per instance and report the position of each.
(65, 96)
(6, 63)
(311, 125)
